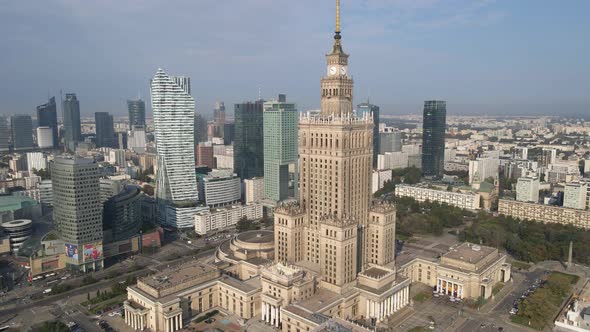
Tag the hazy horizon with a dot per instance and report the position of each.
(481, 56)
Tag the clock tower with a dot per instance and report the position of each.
(336, 86)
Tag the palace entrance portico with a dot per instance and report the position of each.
(451, 288)
(271, 309)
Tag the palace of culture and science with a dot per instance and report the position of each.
(331, 257)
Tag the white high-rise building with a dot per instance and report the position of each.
(136, 139)
(176, 183)
(574, 196)
(46, 192)
(521, 153)
(45, 137)
(483, 168)
(527, 189)
(36, 160)
(392, 160)
(253, 190)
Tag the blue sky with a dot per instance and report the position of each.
(482, 56)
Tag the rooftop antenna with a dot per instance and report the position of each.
(259, 93)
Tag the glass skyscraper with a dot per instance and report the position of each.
(4, 134)
(433, 138)
(136, 109)
(72, 127)
(105, 130)
(47, 117)
(248, 146)
(280, 147)
(200, 129)
(22, 132)
(174, 119)
(370, 109)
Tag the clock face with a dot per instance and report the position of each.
(332, 70)
(342, 71)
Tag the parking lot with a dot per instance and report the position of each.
(529, 282)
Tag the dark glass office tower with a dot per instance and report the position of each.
(4, 134)
(248, 146)
(433, 138)
(229, 133)
(200, 129)
(72, 128)
(218, 119)
(367, 108)
(105, 130)
(136, 110)
(47, 117)
(22, 132)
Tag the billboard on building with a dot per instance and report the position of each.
(71, 251)
(92, 252)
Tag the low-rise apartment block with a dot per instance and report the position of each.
(423, 193)
(544, 213)
(217, 219)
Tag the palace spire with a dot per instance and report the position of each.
(337, 48)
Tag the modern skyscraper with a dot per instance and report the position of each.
(176, 184)
(136, 109)
(71, 119)
(4, 134)
(77, 210)
(105, 130)
(22, 132)
(200, 129)
(368, 108)
(122, 214)
(218, 119)
(47, 117)
(280, 147)
(45, 137)
(248, 146)
(229, 133)
(433, 138)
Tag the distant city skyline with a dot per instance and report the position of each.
(483, 57)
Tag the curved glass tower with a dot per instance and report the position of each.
(174, 116)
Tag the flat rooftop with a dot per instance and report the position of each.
(468, 252)
(320, 300)
(375, 272)
(247, 286)
(260, 236)
(423, 249)
(178, 274)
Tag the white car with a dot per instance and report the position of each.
(47, 291)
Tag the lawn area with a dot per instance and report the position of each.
(112, 302)
(520, 265)
(422, 296)
(537, 310)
